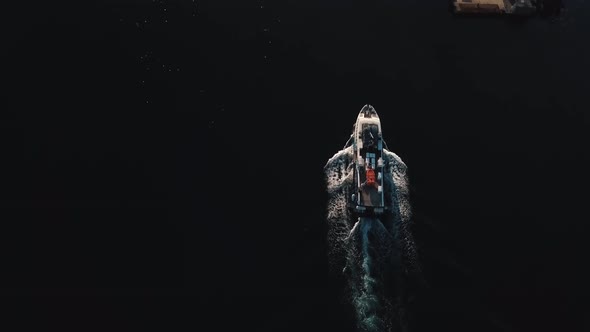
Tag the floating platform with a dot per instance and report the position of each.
(495, 7)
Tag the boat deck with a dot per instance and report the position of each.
(369, 195)
(516, 7)
(481, 6)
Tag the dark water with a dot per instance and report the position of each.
(175, 156)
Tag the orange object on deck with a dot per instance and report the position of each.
(370, 176)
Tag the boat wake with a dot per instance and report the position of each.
(377, 256)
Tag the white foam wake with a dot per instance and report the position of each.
(373, 253)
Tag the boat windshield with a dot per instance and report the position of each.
(370, 134)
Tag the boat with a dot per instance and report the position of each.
(367, 198)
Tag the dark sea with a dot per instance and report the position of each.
(162, 161)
